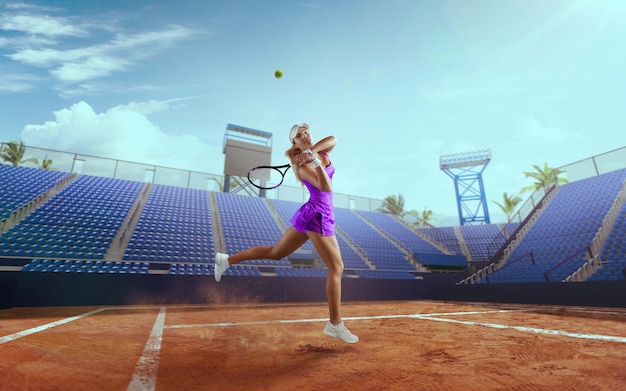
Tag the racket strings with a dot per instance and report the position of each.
(261, 174)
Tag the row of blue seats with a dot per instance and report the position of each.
(191, 269)
(55, 254)
(186, 258)
(206, 270)
(101, 267)
(301, 272)
(82, 266)
(611, 272)
(385, 274)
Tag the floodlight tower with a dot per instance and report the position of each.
(466, 169)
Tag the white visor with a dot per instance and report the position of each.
(294, 131)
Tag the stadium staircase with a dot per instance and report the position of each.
(464, 247)
(511, 243)
(122, 238)
(408, 254)
(599, 252)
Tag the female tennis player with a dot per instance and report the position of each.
(314, 220)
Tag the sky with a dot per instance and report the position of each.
(399, 83)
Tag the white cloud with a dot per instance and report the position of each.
(145, 108)
(90, 68)
(40, 25)
(125, 133)
(93, 87)
(151, 39)
(529, 130)
(153, 106)
(22, 6)
(41, 57)
(136, 46)
(75, 63)
(17, 82)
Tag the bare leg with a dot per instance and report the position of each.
(328, 248)
(288, 243)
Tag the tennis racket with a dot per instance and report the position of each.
(260, 176)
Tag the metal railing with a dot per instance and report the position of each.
(149, 173)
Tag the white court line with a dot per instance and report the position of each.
(228, 324)
(425, 317)
(532, 330)
(253, 323)
(144, 378)
(24, 333)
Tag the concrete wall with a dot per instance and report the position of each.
(30, 289)
(593, 293)
(72, 289)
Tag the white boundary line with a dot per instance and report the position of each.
(24, 333)
(144, 378)
(531, 329)
(434, 317)
(228, 324)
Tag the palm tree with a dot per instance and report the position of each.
(544, 177)
(422, 220)
(509, 203)
(393, 205)
(46, 164)
(13, 153)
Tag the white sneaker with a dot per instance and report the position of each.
(221, 265)
(340, 331)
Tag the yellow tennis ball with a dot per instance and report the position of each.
(278, 74)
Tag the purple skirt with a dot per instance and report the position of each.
(309, 218)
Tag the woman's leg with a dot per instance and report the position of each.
(328, 249)
(287, 244)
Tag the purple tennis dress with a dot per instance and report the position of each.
(317, 213)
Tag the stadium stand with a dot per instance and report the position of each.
(21, 185)
(79, 222)
(174, 226)
(557, 244)
(72, 231)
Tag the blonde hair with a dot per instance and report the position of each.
(290, 153)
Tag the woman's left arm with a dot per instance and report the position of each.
(324, 145)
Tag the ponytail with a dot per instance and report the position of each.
(290, 153)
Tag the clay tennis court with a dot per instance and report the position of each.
(405, 345)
